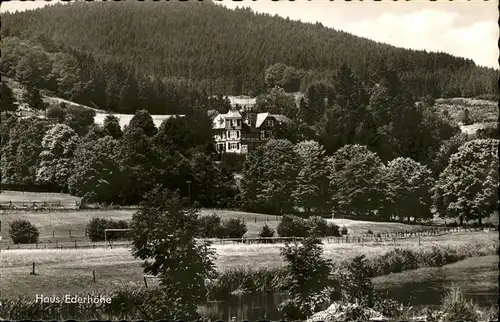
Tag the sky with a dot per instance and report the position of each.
(462, 28)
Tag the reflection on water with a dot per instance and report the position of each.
(255, 307)
(476, 277)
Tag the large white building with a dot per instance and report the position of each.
(236, 132)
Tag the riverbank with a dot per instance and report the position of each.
(229, 289)
(71, 271)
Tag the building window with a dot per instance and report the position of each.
(262, 135)
(270, 122)
(237, 134)
(238, 122)
(234, 146)
(228, 123)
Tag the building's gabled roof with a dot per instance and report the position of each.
(219, 122)
(261, 117)
(281, 118)
(232, 114)
(220, 119)
(212, 113)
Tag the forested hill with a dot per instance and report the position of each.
(126, 49)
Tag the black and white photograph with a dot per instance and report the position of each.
(217, 160)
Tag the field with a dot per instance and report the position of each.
(60, 223)
(483, 113)
(17, 197)
(56, 226)
(68, 271)
(480, 111)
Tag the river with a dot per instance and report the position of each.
(476, 277)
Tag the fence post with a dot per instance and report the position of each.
(145, 282)
(52, 233)
(36, 245)
(70, 233)
(76, 247)
(93, 274)
(33, 272)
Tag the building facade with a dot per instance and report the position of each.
(239, 133)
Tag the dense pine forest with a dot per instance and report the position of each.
(167, 57)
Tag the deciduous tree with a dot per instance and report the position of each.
(58, 146)
(164, 238)
(278, 175)
(311, 191)
(111, 127)
(95, 175)
(409, 186)
(135, 158)
(468, 188)
(7, 102)
(20, 155)
(142, 119)
(79, 119)
(356, 181)
(34, 100)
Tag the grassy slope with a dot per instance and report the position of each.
(483, 113)
(68, 271)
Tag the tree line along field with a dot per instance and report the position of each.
(69, 271)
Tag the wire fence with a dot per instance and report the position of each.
(39, 206)
(346, 239)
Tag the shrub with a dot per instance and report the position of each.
(293, 226)
(56, 113)
(96, 227)
(318, 226)
(246, 281)
(356, 281)
(369, 232)
(456, 308)
(343, 231)
(234, 228)
(266, 232)
(307, 277)
(333, 230)
(23, 232)
(346, 312)
(210, 226)
(387, 306)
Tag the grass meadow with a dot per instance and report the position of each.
(17, 197)
(70, 271)
(56, 226)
